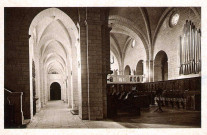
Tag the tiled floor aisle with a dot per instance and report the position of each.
(57, 115)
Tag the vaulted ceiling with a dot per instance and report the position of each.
(52, 41)
(144, 20)
(140, 23)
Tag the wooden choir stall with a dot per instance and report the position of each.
(177, 94)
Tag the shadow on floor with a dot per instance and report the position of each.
(169, 118)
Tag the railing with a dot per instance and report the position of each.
(125, 79)
(13, 114)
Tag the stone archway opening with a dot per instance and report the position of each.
(55, 91)
(161, 66)
(55, 49)
(139, 68)
(127, 70)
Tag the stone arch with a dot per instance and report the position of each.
(55, 91)
(161, 66)
(127, 70)
(55, 53)
(53, 12)
(139, 68)
(61, 86)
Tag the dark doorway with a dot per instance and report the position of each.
(55, 91)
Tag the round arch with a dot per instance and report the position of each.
(55, 91)
(161, 66)
(139, 68)
(127, 70)
(55, 12)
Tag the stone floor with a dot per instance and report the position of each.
(57, 115)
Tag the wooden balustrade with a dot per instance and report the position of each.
(13, 114)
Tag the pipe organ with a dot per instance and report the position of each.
(190, 49)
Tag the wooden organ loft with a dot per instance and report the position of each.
(133, 94)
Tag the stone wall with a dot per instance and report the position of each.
(134, 55)
(168, 39)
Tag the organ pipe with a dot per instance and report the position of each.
(190, 49)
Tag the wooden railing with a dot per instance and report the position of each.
(13, 114)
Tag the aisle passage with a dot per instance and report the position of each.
(56, 114)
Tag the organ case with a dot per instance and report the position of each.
(190, 49)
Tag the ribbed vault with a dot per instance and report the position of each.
(54, 42)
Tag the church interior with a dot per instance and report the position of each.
(102, 67)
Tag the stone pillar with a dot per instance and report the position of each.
(69, 87)
(122, 64)
(106, 58)
(146, 70)
(83, 103)
(95, 61)
(151, 73)
(41, 85)
(74, 78)
(37, 83)
(45, 86)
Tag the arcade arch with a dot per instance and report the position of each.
(54, 46)
(161, 66)
(127, 70)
